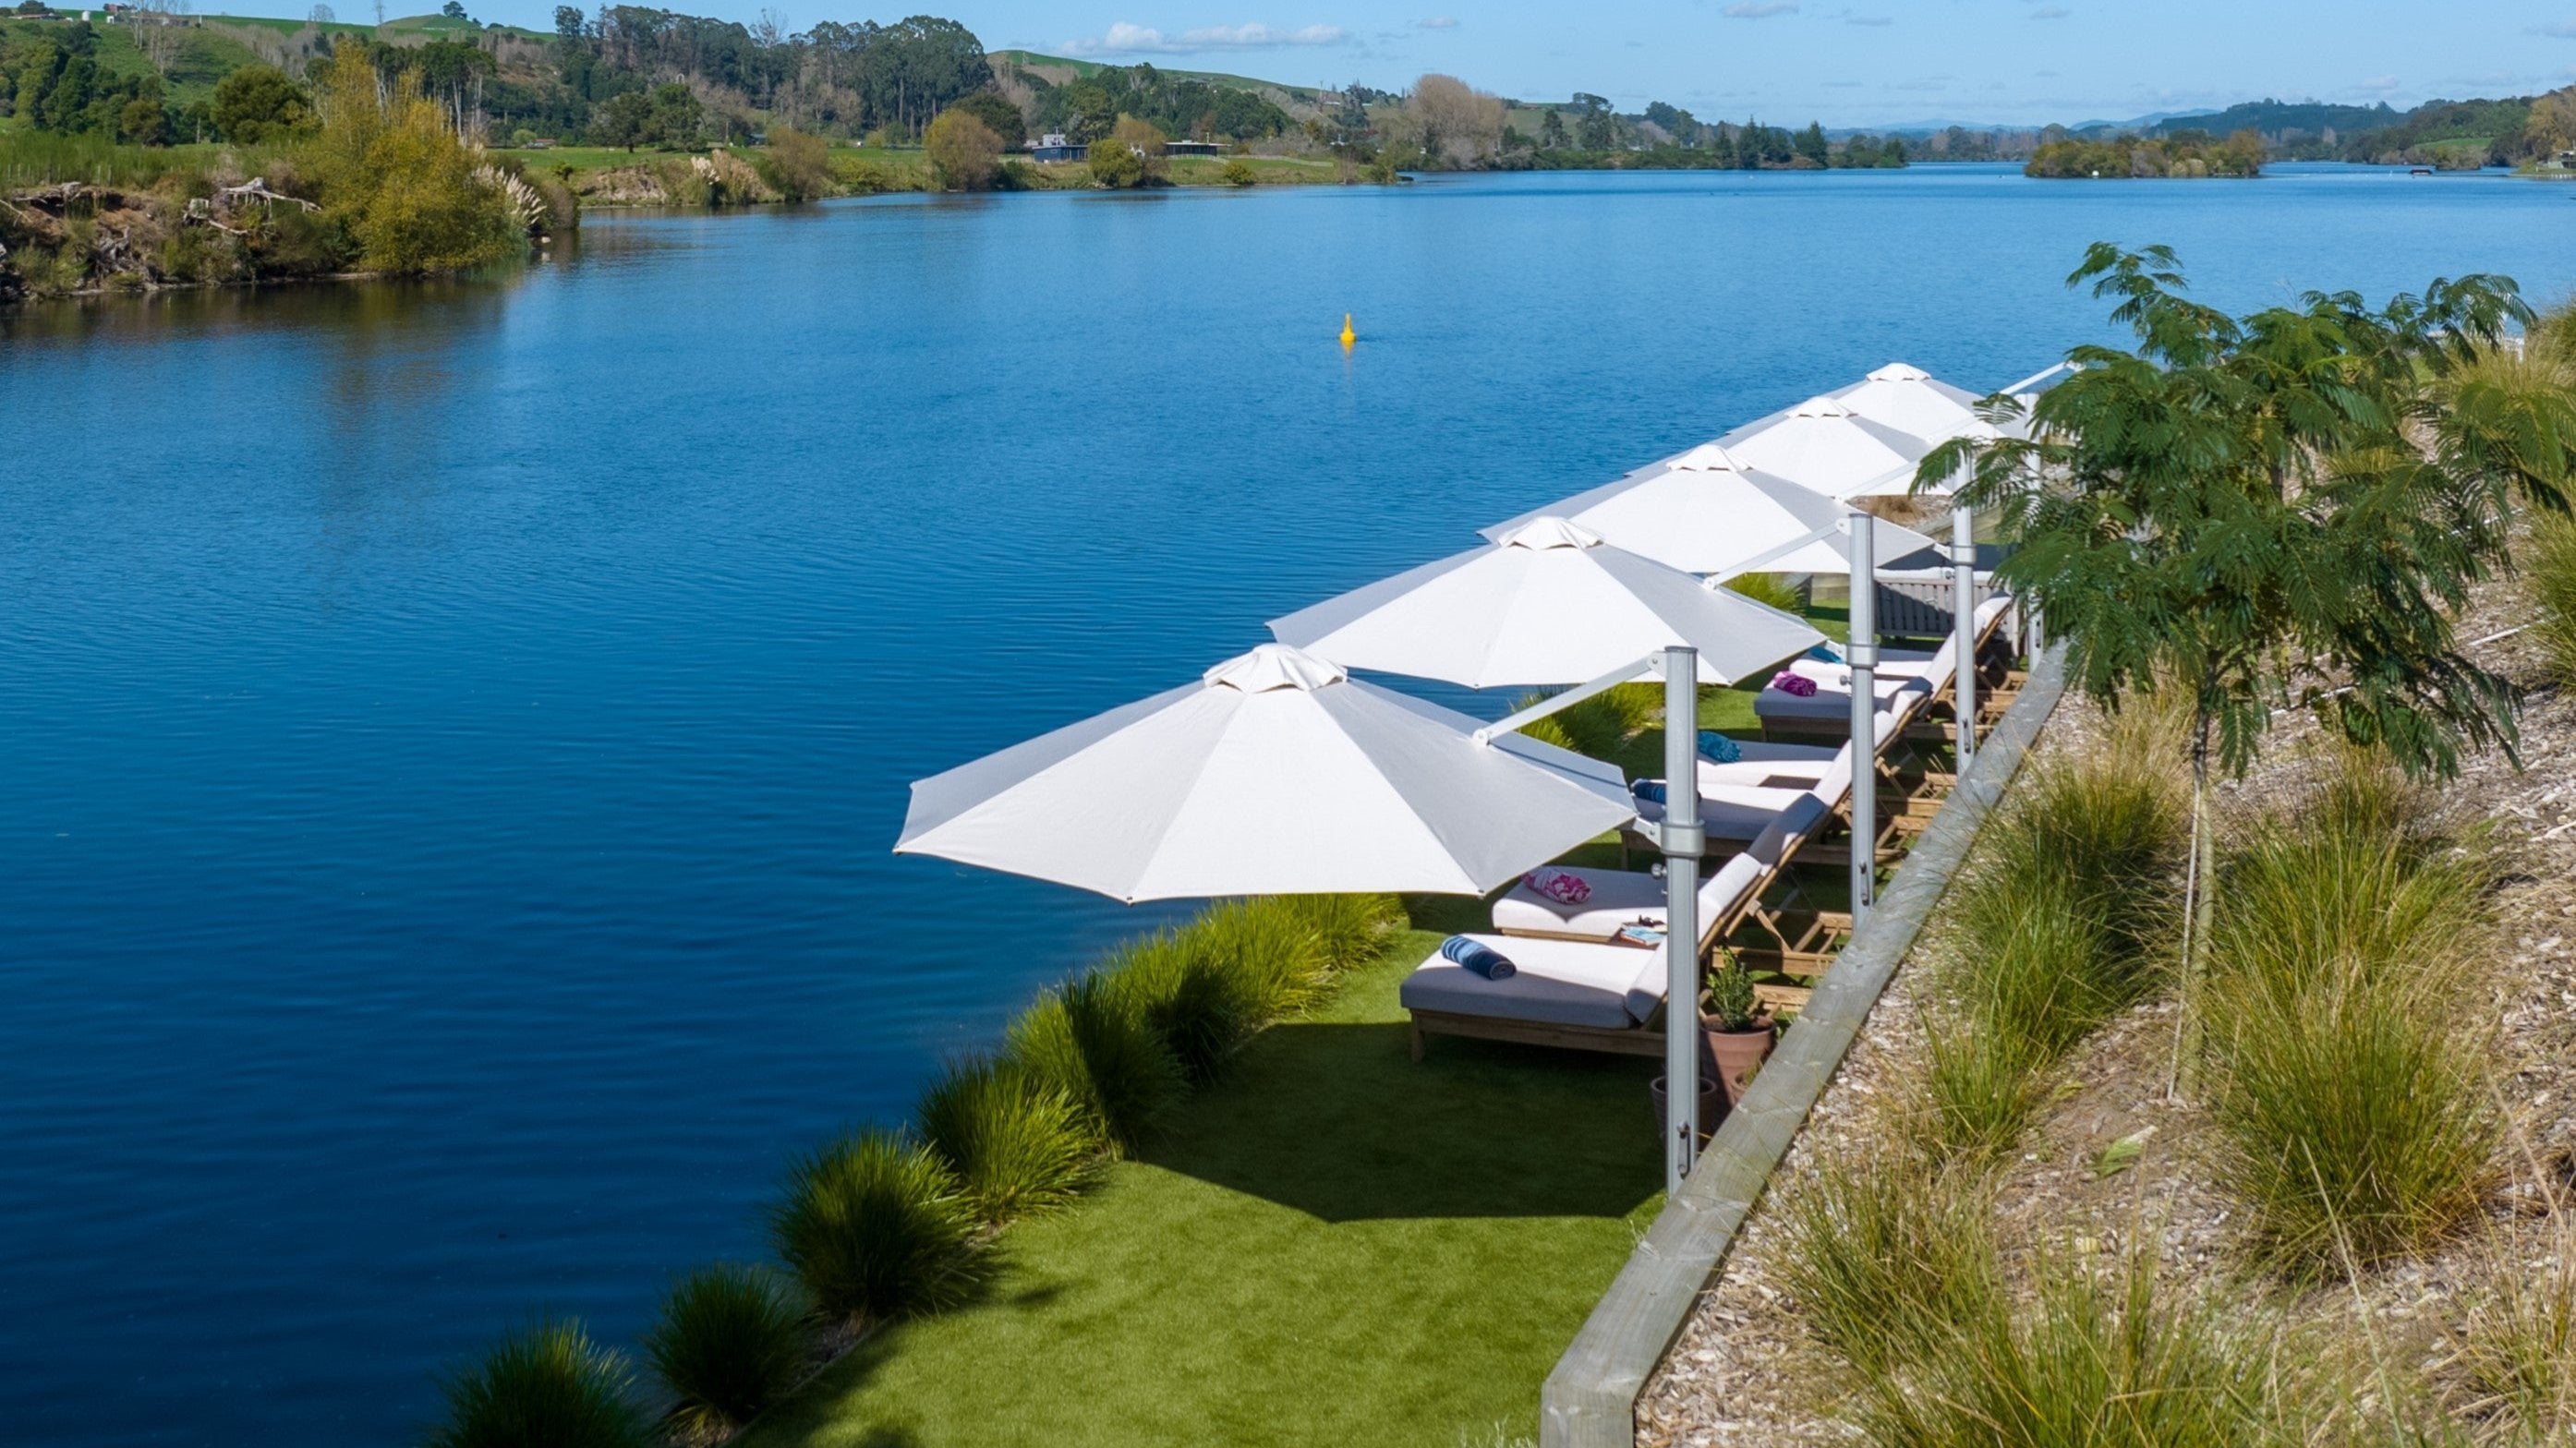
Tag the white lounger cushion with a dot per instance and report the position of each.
(1554, 982)
(1619, 897)
(1894, 668)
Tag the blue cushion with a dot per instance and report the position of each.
(1826, 654)
(1477, 957)
(1649, 790)
(1718, 747)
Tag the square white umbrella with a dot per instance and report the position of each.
(1548, 602)
(1826, 446)
(1275, 773)
(1706, 512)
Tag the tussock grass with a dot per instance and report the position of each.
(1888, 1259)
(876, 1228)
(1204, 996)
(1016, 1144)
(2103, 1356)
(2514, 1346)
(2354, 1115)
(548, 1386)
(2355, 1120)
(1978, 1091)
(730, 1341)
(1091, 1039)
(2057, 931)
(2549, 562)
(1773, 589)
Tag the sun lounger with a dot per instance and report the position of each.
(1570, 1003)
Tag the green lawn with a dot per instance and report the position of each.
(1333, 1247)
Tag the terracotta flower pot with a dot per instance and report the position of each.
(1737, 1054)
(1710, 1104)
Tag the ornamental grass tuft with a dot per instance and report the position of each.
(547, 1386)
(2514, 1345)
(1017, 1144)
(2350, 1095)
(1887, 1258)
(1200, 996)
(2549, 562)
(2103, 1356)
(876, 1228)
(1771, 589)
(1978, 1090)
(1090, 1038)
(730, 1341)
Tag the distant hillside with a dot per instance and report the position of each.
(2276, 120)
(1060, 68)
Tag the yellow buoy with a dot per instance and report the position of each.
(1348, 336)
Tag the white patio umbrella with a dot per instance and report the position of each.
(1548, 602)
(1825, 445)
(1705, 512)
(1909, 399)
(1276, 773)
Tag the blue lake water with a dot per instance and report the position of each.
(450, 736)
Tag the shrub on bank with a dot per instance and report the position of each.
(1016, 1144)
(547, 1386)
(1202, 998)
(729, 1342)
(876, 1228)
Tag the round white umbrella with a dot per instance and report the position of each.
(1705, 512)
(1548, 602)
(1824, 445)
(1276, 773)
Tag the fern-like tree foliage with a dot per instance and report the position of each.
(2279, 511)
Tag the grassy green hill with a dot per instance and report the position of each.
(1072, 68)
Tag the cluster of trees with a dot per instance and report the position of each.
(1667, 135)
(1087, 108)
(2182, 154)
(856, 79)
(53, 81)
(2499, 132)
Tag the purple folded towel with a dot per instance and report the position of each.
(1478, 957)
(1796, 686)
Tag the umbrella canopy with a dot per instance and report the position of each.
(1909, 399)
(1705, 512)
(1548, 602)
(1824, 445)
(1276, 773)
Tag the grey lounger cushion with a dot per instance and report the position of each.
(1556, 983)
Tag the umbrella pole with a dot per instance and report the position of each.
(1863, 655)
(1683, 845)
(1963, 580)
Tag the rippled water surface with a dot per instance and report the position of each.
(450, 736)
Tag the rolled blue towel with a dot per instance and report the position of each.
(1477, 956)
(1825, 654)
(1649, 790)
(1718, 748)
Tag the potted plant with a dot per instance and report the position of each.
(1737, 1027)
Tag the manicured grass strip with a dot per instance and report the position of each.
(1330, 1246)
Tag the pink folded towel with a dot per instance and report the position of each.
(1562, 886)
(1797, 686)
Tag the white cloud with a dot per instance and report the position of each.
(2051, 12)
(1437, 22)
(1869, 20)
(2379, 85)
(1758, 9)
(1126, 39)
(2563, 29)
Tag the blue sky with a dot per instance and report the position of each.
(1846, 62)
